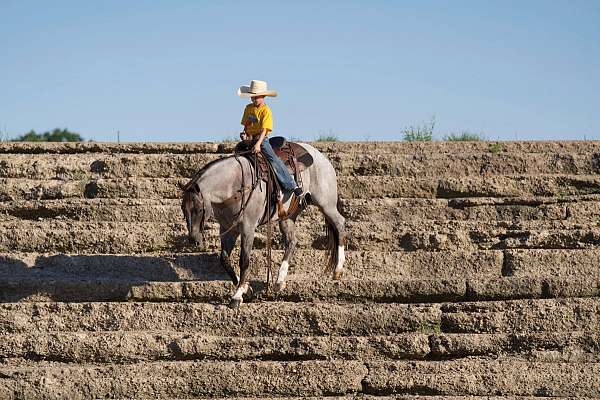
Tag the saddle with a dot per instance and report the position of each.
(294, 157)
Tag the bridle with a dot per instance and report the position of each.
(198, 204)
(239, 195)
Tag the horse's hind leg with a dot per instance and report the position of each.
(289, 238)
(228, 240)
(244, 284)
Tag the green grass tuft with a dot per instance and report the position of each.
(430, 327)
(464, 136)
(496, 147)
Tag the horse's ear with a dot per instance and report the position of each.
(181, 186)
(196, 187)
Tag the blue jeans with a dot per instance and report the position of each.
(283, 176)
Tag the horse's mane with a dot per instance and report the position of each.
(202, 170)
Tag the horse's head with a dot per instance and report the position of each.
(194, 212)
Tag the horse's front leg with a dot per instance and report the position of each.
(287, 228)
(244, 284)
(228, 240)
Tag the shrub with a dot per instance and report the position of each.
(419, 133)
(327, 137)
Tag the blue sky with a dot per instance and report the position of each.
(169, 70)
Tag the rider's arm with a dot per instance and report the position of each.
(260, 139)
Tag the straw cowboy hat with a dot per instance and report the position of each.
(256, 88)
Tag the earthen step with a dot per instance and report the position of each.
(80, 289)
(483, 378)
(108, 147)
(88, 165)
(552, 263)
(558, 315)
(572, 208)
(477, 377)
(381, 219)
(264, 318)
(94, 165)
(388, 291)
(183, 379)
(128, 237)
(461, 165)
(366, 265)
(359, 187)
(130, 347)
(397, 147)
(307, 319)
(206, 266)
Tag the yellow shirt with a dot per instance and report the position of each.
(257, 118)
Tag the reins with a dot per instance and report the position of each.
(254, 179)
(242, 190)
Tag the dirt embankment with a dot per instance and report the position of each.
(471, 271)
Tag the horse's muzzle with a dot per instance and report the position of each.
(194, 241)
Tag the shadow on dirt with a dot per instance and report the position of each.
(64, 277)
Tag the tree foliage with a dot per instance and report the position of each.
(56, 135)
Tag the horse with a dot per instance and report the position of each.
(227, 190)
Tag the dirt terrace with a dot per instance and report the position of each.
(472, 272)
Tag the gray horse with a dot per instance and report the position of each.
(216, 191)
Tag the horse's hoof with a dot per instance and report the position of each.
(249, 295)
(235, 303)
(279, 286)
(337, 275)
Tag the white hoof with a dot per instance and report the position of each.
(337, 274)
(235, 303)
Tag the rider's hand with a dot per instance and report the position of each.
(256, 148)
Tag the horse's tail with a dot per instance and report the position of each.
(333, 244)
